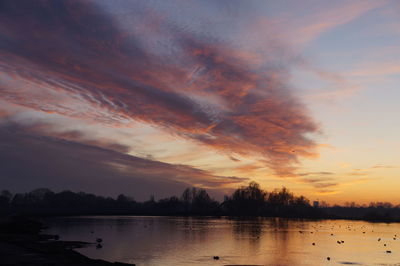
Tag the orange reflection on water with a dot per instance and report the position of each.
(267, 241)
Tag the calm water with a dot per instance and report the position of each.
(194, 241)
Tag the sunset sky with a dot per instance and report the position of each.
(151, 97)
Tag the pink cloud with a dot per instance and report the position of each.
(78, 62)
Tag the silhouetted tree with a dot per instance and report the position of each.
(5, 200)
(197, 201)
(202, 202)
(280, 198)
(248, 200)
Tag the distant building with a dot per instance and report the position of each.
(316, 204)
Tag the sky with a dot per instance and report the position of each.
(150, 97)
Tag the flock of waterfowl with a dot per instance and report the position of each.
(99, 240)
(349, 228)
(338, 241)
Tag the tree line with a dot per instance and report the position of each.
(250, 200)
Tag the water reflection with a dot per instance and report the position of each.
(195, 241)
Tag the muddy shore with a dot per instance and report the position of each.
(21, 243)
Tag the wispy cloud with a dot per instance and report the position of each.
(75, 59)
(383, 166)
(377, 69)
(325, 19)
(330, 182)
(315, 173)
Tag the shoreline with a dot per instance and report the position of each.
(23, 243)
(44, 250)
(223, 217)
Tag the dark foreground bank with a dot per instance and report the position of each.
(21, 243)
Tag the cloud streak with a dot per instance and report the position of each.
(31, 155)
(75, 59)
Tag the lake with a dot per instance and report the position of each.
(189, 241)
